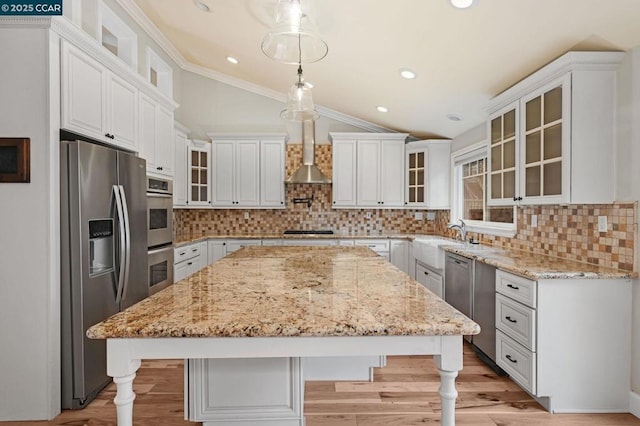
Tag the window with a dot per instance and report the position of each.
(470, 198)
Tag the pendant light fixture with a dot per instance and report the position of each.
(294, 38)
(300, 106)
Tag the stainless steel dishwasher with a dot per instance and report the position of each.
(458, 284)
(484, 308)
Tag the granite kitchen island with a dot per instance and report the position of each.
(287, 302)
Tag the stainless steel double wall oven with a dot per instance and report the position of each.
(160, 232)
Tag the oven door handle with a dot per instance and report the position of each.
(157, 195)
(122, 245)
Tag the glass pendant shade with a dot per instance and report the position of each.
(294, 38)
(300, 106)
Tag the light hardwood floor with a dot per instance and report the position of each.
(404, 393)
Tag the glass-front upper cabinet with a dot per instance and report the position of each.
(199, 168)
(544, 114)
(415, 183)
(503, 156)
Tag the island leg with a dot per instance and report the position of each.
(449, 362)
(123, 370)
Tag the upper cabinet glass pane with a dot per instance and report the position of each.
(553, 105)
(421, 159)
(496, 158)
(496, 130)
(533, 113)
(412, 160)
(509, 152)
(553, 142)
(510, 124)
(532, 154)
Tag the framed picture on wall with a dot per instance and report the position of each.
(15, 160)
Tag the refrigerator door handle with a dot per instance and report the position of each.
(125, 208)
(123, 238)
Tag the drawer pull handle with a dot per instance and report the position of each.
(515, 361)
(183, 253)
(195, 249)
(508, 318)
(515, 287)
(190, 263)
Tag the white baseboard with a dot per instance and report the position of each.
(634, 404)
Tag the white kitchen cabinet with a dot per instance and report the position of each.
(308, 242)
(198, 173)
(552, 135)
(272, 172)
(381, 247)
(187, 260)
(233, 245)
(399, 254)
(377, 180)
(95, 101)
(180, 184)
(543, 328)
(216, 250)
(248, 170)
(428, 174)
(235, 173)
(156, 136)
(344, 173)
(432, 280)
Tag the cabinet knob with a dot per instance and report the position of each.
(426, 273)
(160, 168)
(515, 198)
(281, 202)
(334, 202)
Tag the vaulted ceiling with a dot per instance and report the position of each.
(462, 58)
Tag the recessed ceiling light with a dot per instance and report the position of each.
(455, 117)
(382, 109)
(407, 73)
(232, 60)
(463, 4)
(202, 5)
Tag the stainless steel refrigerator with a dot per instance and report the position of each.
(103, 226)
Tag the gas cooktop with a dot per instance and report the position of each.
(308, 232)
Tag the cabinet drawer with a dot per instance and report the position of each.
(515, 287)
(517, 321)
(516, 360)
(379, 246)
(187, 252)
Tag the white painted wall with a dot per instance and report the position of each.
(29, 228)
(211, 106)
(628, 176)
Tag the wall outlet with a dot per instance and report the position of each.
(431, 215)
(246, 215)
(367, 215)
(418, 215)
(602, 224)
(534, 220)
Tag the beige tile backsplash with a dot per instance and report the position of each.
(563, 231)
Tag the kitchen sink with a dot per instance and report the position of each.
(428, 252)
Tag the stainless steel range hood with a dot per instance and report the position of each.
(308, 172)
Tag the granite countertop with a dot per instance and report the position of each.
(184, 239)
(291, 291)
(535, 266)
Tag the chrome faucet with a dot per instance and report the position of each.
(462, 229)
